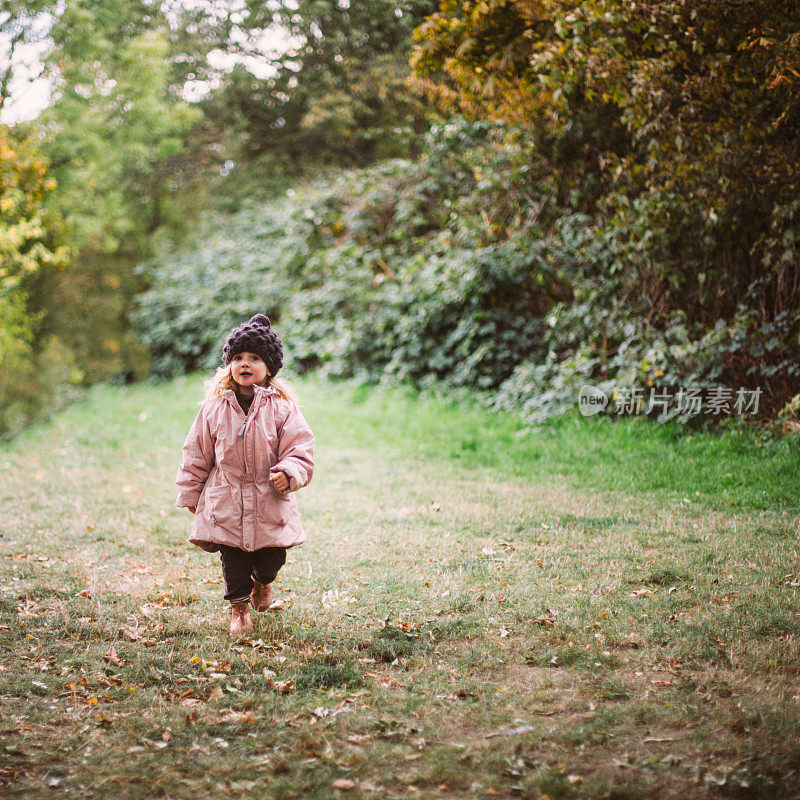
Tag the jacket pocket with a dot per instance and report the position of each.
(273, 507)
(220, 509)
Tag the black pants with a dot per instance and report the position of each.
(240, 567)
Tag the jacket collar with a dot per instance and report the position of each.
(260, 395)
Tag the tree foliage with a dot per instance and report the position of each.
(115, 133)
(340, 93)
(672, 124)
(33, 241)
(118, 136)
(23, 25)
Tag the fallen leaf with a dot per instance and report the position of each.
(85, 593)
(514, 730)
(282, 687)
(136, 635)
(344, 783)
(215, 696)
(112, 657)
(239, 716)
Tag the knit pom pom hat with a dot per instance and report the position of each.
(255, 336)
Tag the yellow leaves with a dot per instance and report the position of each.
(25, 239)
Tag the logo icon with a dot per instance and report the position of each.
(591, 400)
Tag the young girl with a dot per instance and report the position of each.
(248, 450)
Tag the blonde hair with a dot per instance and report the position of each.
(222, 380)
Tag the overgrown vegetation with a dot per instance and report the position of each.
(473, 626)
(145, 129)
(535, 195)
(398, 272)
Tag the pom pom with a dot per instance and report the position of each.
(260, 319)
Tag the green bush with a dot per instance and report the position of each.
(464, 269)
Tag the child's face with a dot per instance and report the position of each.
(248, 369)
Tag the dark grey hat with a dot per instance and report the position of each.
(255, 336)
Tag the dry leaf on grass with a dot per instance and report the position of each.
(112, 657)
(244, 717)
(215, 696)
(136, 635)
(514, 730)
(344, 783)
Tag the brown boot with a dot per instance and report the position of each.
(261, 597)
(241, 621)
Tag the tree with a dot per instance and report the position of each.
(341, 92)
(673, 124)
(23, 23)
(667, 99)
(117, 136)
(32, 241)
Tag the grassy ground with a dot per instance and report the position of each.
(587, 611)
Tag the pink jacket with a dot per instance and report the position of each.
(227, 458)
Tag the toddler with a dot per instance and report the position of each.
(247, 452)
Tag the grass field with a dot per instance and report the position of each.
(588, 610)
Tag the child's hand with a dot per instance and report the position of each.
(193, 509)
(279, 480)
